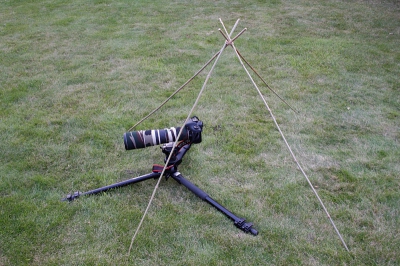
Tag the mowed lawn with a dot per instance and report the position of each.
(76, 75)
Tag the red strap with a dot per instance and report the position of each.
(157, 168)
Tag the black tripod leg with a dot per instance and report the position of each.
(239, 222)
(77, 194)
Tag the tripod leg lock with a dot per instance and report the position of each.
(246, 227)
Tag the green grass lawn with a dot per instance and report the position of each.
(75, 75)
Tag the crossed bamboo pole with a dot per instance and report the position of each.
(230, 42)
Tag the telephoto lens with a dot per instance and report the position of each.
(145, 138)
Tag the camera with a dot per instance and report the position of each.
(191, 132)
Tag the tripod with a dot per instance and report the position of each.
(171, 170)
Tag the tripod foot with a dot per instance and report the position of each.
(246, 227)
(71, 197)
